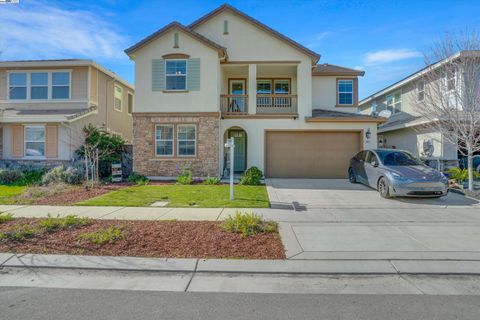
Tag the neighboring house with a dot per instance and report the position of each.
(45, 104)
(405, 128)
(229, 75)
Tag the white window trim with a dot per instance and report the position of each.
(194, 140)
(25, 141)
(115, 97)
(420, 91)
(454, 80)
(177, 75)
(27, 78)
(50, 86)
(282, 80)
(33, 86)
(172, 140)
(272, 86)
(128, 94)
(352, 92)
(395, 102)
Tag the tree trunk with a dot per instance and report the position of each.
(470, 171)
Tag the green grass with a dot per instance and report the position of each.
(8, 193)
(200, 196)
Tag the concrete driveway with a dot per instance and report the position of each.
(340, 193)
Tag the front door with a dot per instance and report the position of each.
(237, 88)
(239, 156)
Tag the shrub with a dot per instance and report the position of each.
(211, 180)
(20, 233)
(252, 177)
(138, 178)
(460, 175)
(71, 175)
(101, 237)
(55, 175)
(248, 224)
(51, 224)
(10, 176)
(31, 177)
(5, 217)
(185, 176)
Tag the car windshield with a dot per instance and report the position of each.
(397, 158)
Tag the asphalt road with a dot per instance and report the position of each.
(70, 304)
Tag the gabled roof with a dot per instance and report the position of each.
(226, 7)
(181, 27)
(11, 115)
(334, 70)
(322, 115)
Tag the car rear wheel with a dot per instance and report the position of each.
(383, 188)
(351, 176)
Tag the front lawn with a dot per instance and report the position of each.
(199, 196)
(8, 194)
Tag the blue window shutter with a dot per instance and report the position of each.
(193, 74)
(158, 74)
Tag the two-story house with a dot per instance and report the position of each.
(406, 128)
(228, 75)
(45, 104)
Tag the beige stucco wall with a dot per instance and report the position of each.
(412, 140)
(207, 99)
(255, 130)
(324, 91)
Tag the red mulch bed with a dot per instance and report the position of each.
(182, 239)
(80, 194)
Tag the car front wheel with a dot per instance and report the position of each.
(351, 176)
(383, 188)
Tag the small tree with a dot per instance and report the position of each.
(100, 147)
(450, 102)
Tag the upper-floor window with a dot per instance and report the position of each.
(17, 86)
(345, 91)
(264, 86)
(176, 75)
(394, 102)
(39, 85)
(282, 86)
(374, 108)
(60, 85)
(420, 90)
(130, 103)
(118, 98)
(451, 78)
(34, 141)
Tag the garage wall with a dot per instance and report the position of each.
(255, 129)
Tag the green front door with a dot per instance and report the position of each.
(239, 161)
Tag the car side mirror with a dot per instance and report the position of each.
(374, 163)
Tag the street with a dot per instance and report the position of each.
(72, 304)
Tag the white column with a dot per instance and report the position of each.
(252, 88)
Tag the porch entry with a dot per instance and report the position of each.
(237, 87)
(240, 155)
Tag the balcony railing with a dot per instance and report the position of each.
(279, 103)
(234, 103)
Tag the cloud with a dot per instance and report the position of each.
(38, 30)
(317, 39)
(390, 55)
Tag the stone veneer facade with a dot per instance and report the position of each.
(147, 163)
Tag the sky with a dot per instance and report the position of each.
(387, 39)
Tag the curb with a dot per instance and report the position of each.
(293, 267)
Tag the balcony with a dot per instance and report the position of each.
(234, 104)
(279, 103)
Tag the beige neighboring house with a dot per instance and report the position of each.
(45, 104)
(405, 128)
(228, 75)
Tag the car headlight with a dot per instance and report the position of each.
(398, 177)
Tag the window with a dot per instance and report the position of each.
(420, 90)
(345, 92)
(39, 85)
(370, 157)
(264, 86)
(282, 86)
(176, 75)
(164, 140)
(130, 103)
(451, 75)
(374, 108)
(34, 141)
(17, 86)
(60, 85)
(394, 102)
(186, 140)
(118, 98)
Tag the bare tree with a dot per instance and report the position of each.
(448, 95)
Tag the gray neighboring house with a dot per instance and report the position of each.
(44, 105)
(405, 129)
